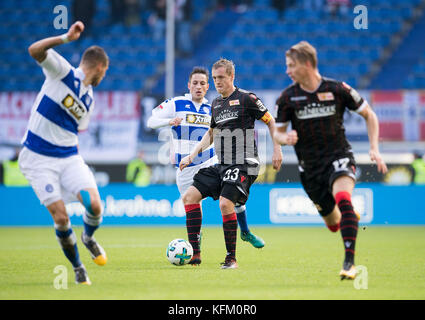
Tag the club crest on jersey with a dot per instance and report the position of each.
(234, 102)
(73, 107)
(326, 96)
(197, 119)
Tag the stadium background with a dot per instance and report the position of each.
(384, 60)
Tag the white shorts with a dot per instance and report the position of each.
(184, 178)
(55, 179)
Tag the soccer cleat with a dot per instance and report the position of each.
(96, 251)
(196, 260)
(229, 263)
(256, 242)
(81, 276)
(348, 271)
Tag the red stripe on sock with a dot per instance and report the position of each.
(191, 207)
(342, 195)
(229, 217)
(333, 228)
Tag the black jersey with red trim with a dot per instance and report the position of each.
(232, 121)
(318, 118)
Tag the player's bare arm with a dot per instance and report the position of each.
(286, 138)
(38, 50)
(205, 142)
(373, 132)
(277, 150)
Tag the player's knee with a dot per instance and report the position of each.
(96, 207)
(191, 197)
(226, 206)
(61, 220)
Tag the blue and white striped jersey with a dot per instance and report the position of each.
(196, 121)
(62, 108)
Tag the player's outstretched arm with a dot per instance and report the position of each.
(38, 50)
(205, 142)
(373, 132)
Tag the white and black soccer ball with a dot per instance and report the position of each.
(179, 252)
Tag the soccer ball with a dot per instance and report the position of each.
(179, 252)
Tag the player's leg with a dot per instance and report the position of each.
(206, 183)
(192, 205)
(78, 180)
(246, 234)
(230, 226)
(342, 189)
(42, 172)
(92, 219)
(67, 240)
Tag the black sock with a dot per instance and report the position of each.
(230, 228)
(349, 224)
(193, 225)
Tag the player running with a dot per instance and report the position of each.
(315, 105)
(50, 159)
(233, 114)
(189, 117)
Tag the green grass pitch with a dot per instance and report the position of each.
(296, 263)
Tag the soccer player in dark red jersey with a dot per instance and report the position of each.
(315, 105)
(232, 131)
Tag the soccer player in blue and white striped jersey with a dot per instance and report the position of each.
(50, 159)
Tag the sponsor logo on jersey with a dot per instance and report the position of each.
(300, 98)
(197, 119)
(226, 115)
(73, 107)
(315, 111)
(326, 96)
(234, 102)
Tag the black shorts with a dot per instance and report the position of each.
(229, 181)
(317, 181)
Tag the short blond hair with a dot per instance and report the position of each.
(227, 64)
(303, 52)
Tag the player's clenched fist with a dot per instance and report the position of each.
(185, 162)
(291, 138)
(75, 31)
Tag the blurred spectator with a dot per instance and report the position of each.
(236, 5)
(183, 25)
(132, 12)
(418, 166)
(138, 171)
(314, 5)
(84, 10)
(280, 6)
(127, 12)
(338, 7)
(117, 10)
(12, 176)
(157, 19)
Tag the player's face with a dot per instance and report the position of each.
(223, 81)
(99, 74)
(198, 86)
(295, 70)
